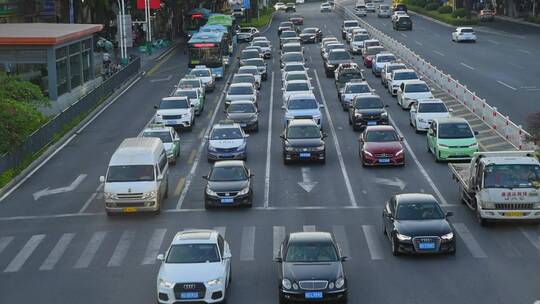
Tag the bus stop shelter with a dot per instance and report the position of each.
(56, 57)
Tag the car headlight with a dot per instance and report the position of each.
(473, 145)
(399, 152)
(243, 191)
(319, 148)
(286, 283)
(149, 194)
(384, 114)
(403, 237)
(442, 146)
(340, 282)
(448, 236)
(165, 284)
(241, 147)
(358, 115)
(422, 120)
(214, 282)
(110, 195)
(295, 286)
(210, 192)
(287, 148)
(367, 153)
(331, 285)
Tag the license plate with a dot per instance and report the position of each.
(170, 122)
(515, 213)
(384, 160)
(227, 200)
(426, 246)
(314, 295)
(243, 125)
(371, 123)
(305, 154)
(226, 154)
(130, 209)
(189, 295)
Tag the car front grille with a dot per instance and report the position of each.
(172, 116)
(458, 147)
(129, 195)
(313, 284)
(514, 206)
(225, 150)
(426, 239)
(189, 287)
(383, 155)
(227, 194)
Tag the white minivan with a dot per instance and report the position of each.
(137, 176)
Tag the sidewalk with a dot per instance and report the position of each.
(517, 20)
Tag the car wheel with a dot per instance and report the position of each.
(281, 298)
(437, 158)
(428, 148)
(322, 161)
(394, 245)
(482, 221)
(207, 205)
(384, 228)
(356, 128)
(110, 213)
(286, 161)
(350, 121)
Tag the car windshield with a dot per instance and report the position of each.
(288, 34)
(339, 55)
(299, 76)
(249, 54)
(192, 253)
(299, 132)
(371, 43)
(455, 130)
(166, 104)
(467, 30)
(291, 48)
(244, 79)
(321, 251)
(298, 104)
(243, 90)
(438, 107)
(357, 89)
(225, 174)
(347, 77)
(241, 108)
(165, 136)
(405, 76)
(294, 67)
(256, 62)
(404, 19)
(309, 31)
(249, 70)
(130, 173)
(361, 37)
(245, 30)
(386, 58)
(285, 24)
(293, 57)
(334, 46)
(186, 93)
(512, 176)
(394, 67)
(261, 44)
(384, 7)
(374, 50)
(416, 88)
(419, 211)
(369, 103)
(350, 23)
(189, 83)
(294, 87)
(200, 73)
(381, 136)
(226, 133)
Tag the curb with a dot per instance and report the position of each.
(432, 19)
(518, 21)
(267, 26)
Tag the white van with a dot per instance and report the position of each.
(137, 176)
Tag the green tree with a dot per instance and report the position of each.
(14, 88)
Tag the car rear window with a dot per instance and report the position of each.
(350, 23)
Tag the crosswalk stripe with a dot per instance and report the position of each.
(25, 253)
(221, 230)
(57, 252)
(374, 247)
(309, 228)
(278, 237)
(4, 242)
(247, 249)
(341, 237)
(121, 249)
(535, 240)
(469, 240)
(91, 249)
(153, 247)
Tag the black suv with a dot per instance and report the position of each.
(228, 184)
(367, 111)
(303, 140)
(334, 59)
(402, 22)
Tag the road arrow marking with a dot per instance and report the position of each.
(161, 79)
(396, 182)
(307, 184)
(69, 188)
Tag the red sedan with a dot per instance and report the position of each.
(381, 145)
(370, 53)
(297, 20)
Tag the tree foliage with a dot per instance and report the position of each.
(14, 88)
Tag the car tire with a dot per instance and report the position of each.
(256, 129)
(286, 162)
(110, 213)
(207, 205)
(427, 146)
(281, 298)
(482, 221)
(393, 244)
(322, 161)
(355, 128)
(350, 121)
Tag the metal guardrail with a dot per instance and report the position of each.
(512, 132)
(47, 133)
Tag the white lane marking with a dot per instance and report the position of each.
(91, 198)
(418, 42)
(341, 237)
(161, 79)
(309, 228)
(524, 51)
(534, 239)
(493, 41)
(247, 246)
(4, 242)
(121, 249)
(438, 53)
(153, 247)
(221, 230)
(529, 87)
(403, 35)
(508, 248)
(269, 145)
(324, 25)
(374, 246)
(57, 252)
(45, 192)
(277, 237)
(307, 183)
(506, 85)
(23, 255)
(467, 66)
(469, 240)
(67, 141)
(91, 249)
(442, 200)
(189, 178)
(336, 142)
(396, 182)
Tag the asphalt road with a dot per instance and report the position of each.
(64, 249)
(501, 67)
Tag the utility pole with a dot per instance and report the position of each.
(121, 24)
(148, 26)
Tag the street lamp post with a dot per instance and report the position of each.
(122, 31)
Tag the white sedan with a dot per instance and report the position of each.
(280, 6)
(412, 90)
(296, 87)
(424, 111)
(196, 267)
(464, 34)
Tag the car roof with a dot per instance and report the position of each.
(157, 128)
(302, 122)
(367, 96)
(297, 81)
(385, 54)
(243, 75)
(407, 198)
(241, 102)
(415, 81)
(137, 151)
(430, 100)
(195, 236)
(229, 163)
(310, 236)
(403, 71)
(302, 96)
(465, 28)
(241, 84)
(292, 44)
(248, 67)
(449, 120)
(380, 128)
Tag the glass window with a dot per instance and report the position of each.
(347, 77)
(381, 136)
(165, 136)
(512, 176)
(87, 66)
(357, 89)
(62, 76)
(87, 44)
(162, 162)
(298, 132)
(368, 103)
(241, 108)
(174, 104)
(405, 76)
(311, 252)
(224, 174)
(74, 48)
(61, 53)
(193, 253)
(432, 108)
(419, 211)
(299, 104)
(75, 70)
(221, 244)
(226, 133)
(211, 57)
(455, 130)
(339, 55)
(297, 87)
(131, 173)
(241, 90)
(416, 88)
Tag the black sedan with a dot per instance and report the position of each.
(245, 113)
(228, 184)
(311, 35)
(311, 269)
(303, 141)
(367, 110)
(415, 223)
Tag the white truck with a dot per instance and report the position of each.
(500, 185)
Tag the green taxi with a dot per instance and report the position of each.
(451, 139)
(195, 96)
(169, 137)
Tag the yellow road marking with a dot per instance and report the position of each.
(192, 156)
(180, 186)
(157, 66)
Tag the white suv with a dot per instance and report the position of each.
(176, 111)
(399, 76)
(411, 91)
(196, 267)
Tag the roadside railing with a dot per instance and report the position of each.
(512, 132)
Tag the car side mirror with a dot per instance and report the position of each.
(450, 110)
(321, 105)
(246, 135)
(160, 177)
(391, 217)
(386, 106)
(278, 259)
(324, 135)
(282, 136)
(344, 258)
(192, 105)
(205, 177)
(102, 179)
(476, 132)
(160, 257)
(283, 107)
(156, 107)
(227, 255)
(401, 138)
(449, 214)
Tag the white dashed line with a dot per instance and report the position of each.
(269, 145)
(419, 43)
(524, 51)
(506, 85)
(467, 66)
(438, 53)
